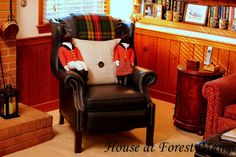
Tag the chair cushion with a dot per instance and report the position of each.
(98, 56)
(114, 98)
(230, 111)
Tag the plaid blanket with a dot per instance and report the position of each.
(95, 26)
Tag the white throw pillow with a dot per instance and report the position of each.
(95, 52)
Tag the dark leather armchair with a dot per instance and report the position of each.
(106, 107)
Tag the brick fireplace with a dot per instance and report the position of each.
(7, 47)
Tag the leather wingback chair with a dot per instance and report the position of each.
(106, 107)
(221, 105)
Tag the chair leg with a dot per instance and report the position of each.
(149, 135)
(61, 119)
(78, 142)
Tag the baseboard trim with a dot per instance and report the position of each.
(47, 106)
(162, 95)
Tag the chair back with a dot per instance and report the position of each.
(98, 27)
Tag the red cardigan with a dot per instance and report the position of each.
(66, 55)
(126, 59)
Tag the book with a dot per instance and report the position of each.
(174, 5)
(168, 2)
(163, 8)
(230, 135)
(209, 17)
(215, 11)
(182, 8)
(231, 17)
(178, 5)
(227, 13)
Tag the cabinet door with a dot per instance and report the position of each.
(145, 48)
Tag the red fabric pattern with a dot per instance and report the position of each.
(219, 93)
(230, 111)
(66, 55)
(97, 27)
(126, 58)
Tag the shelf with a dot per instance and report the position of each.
(190, 27)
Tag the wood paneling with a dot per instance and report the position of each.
(162, 60)
(173, 62)
(146, 50)
(186, 52)
(197, 54)
(223, 60)
(36, 83)
(232, 62)
(162, 52)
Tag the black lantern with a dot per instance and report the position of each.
(9, 102)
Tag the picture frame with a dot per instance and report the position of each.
(196, 14)
(158, 9)
(148, 10)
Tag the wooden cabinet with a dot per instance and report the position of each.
(163, 52)
(190, 107)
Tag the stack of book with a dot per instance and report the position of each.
(222, 12)
(173, 5)
(230, 135)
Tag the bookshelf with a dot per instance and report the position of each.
(187, 26)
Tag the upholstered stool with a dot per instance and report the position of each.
(215, 147)
(31, 128)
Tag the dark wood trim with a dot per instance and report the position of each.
(48, 106)
(44, 28)
(40, 12)
(34, 40)
(162, 95)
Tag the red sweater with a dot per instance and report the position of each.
(66, 55)
(123, 55)
(126, 58)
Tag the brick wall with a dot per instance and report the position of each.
(7, 47)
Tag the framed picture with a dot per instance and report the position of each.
(196, 14)
(158, 11)
(148, 10)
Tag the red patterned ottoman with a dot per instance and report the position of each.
(31, 128)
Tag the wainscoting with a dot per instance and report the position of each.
(162, 52)
(37, 85)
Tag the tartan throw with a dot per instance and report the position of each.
(95, 27)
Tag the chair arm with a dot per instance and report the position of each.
(220, 92)
(143, 78)
(72, 80)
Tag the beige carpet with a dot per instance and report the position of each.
(96, 145)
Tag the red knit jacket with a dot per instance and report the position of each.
(121, 54)
(66, 55)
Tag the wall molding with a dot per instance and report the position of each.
(33, 40)
(47, 106)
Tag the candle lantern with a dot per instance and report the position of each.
(9, 102)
